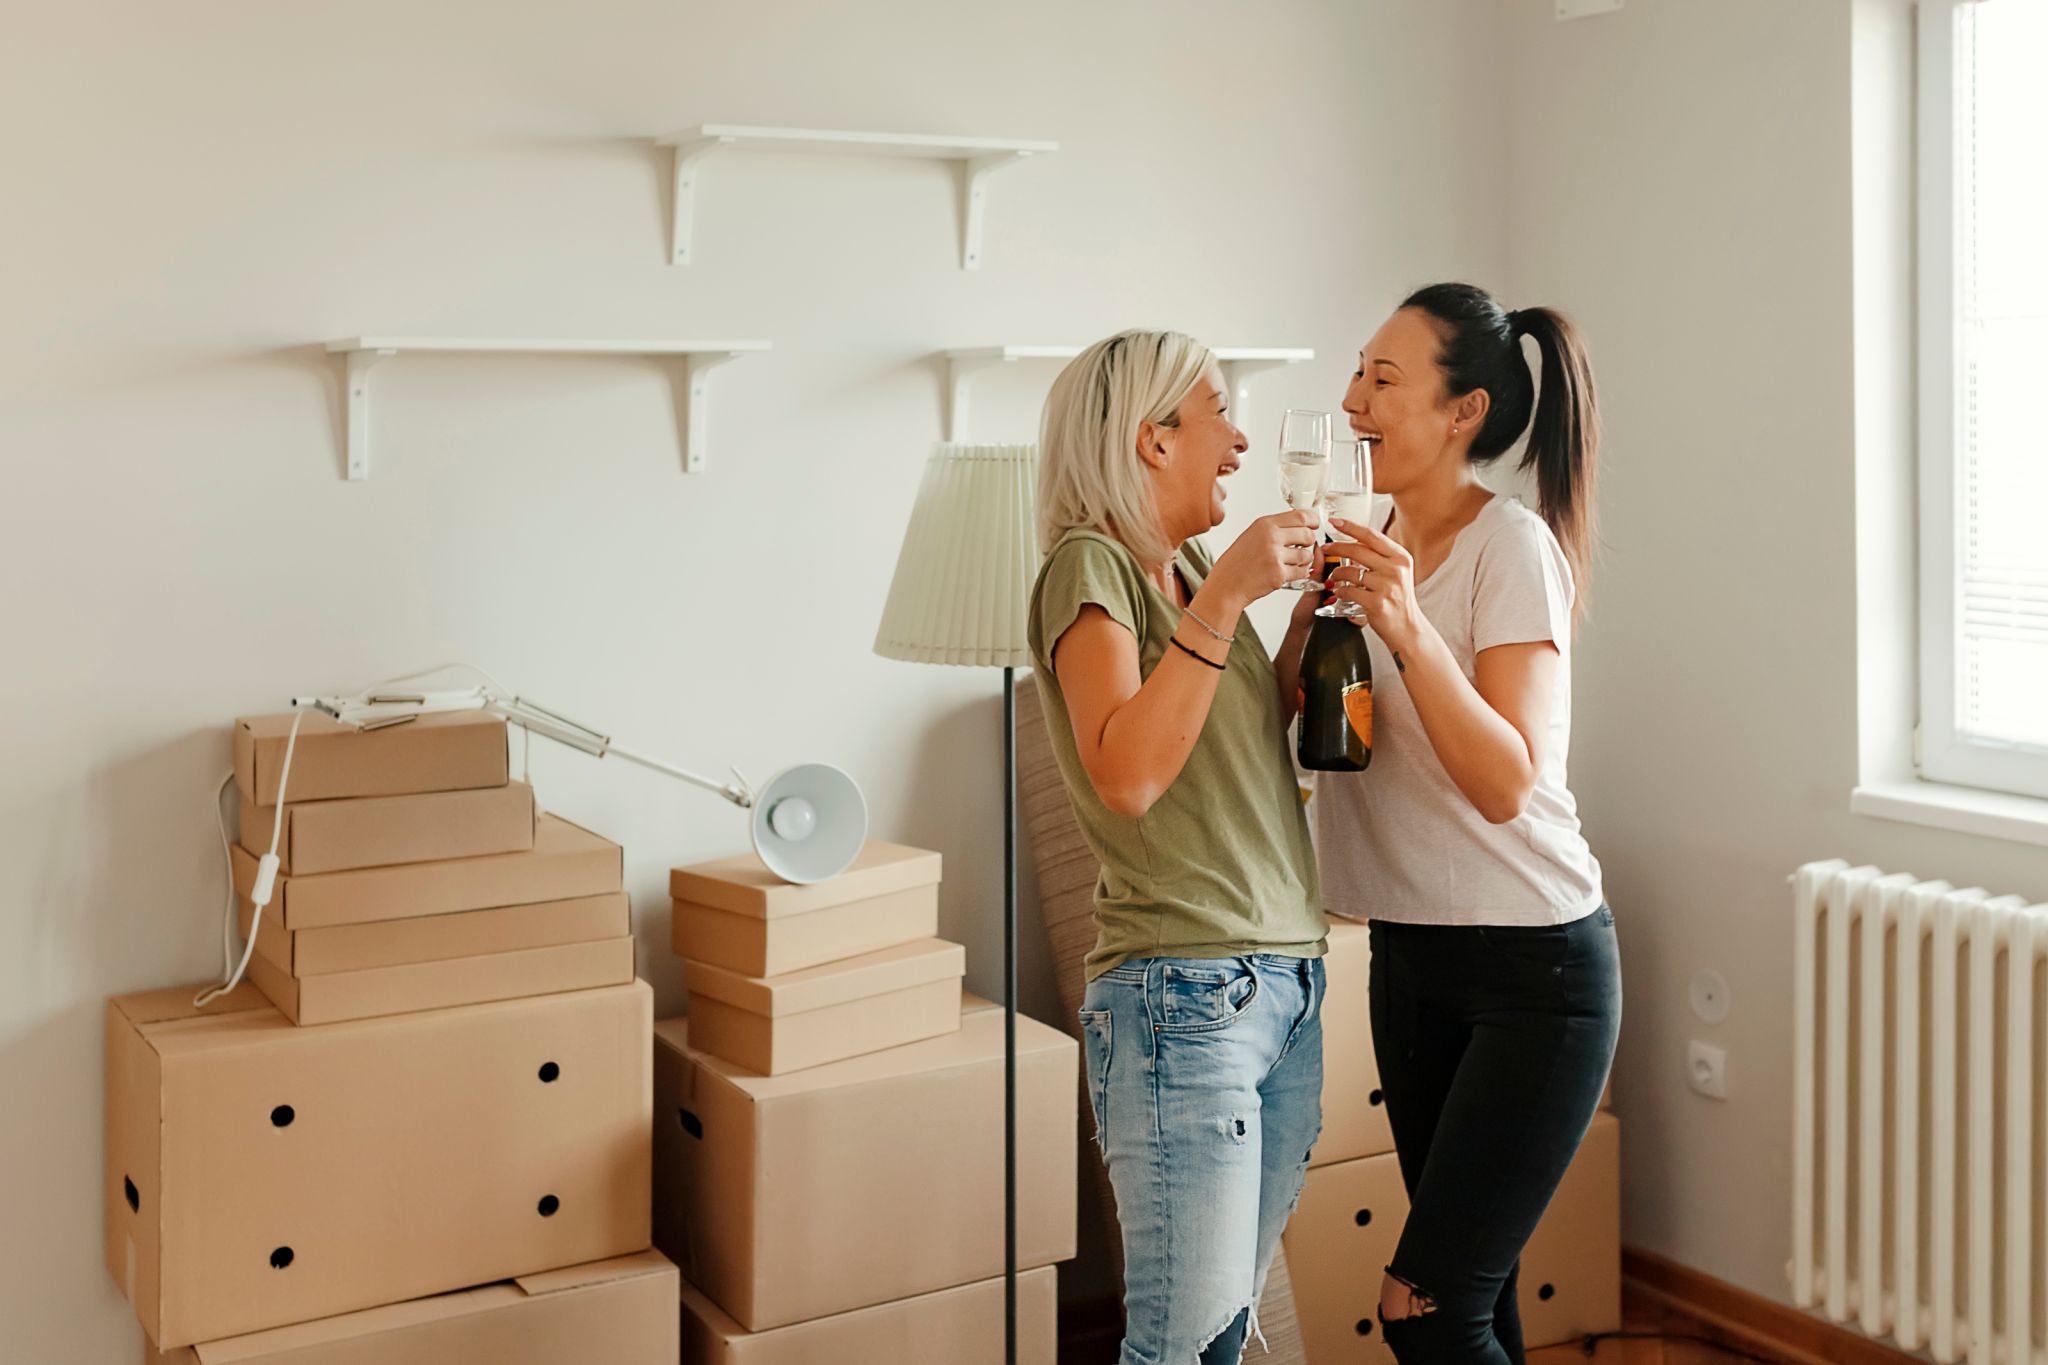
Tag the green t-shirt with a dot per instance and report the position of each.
(1221, 865)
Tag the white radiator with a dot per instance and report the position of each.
(1917, 1130)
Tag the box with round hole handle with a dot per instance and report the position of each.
(260, 1174)
(1344, 1231)
(787, 1198)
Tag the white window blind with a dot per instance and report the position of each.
(2002, 327)
(1984, 393)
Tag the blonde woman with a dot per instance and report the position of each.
(1202, 1017)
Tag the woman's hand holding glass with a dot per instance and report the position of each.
(1377, 577)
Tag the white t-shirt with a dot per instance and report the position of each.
(1399, 841)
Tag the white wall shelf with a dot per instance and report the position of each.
(1239, 364)
(698, 358)
(979, 158)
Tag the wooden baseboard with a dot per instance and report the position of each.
(1764, 1325)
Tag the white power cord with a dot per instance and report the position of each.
(266, 879)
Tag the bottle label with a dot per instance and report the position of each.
(1358, 710)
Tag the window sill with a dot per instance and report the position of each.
(1967, 810)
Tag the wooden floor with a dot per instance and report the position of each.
(1642, 1312)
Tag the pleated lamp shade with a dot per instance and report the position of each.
(963, 580)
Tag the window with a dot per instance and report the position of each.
(1983, 303)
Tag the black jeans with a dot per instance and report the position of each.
(1494, 1045)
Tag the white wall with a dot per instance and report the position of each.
(198, 196)
(1681, 183)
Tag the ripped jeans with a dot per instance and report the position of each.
(1206, 1079)
(1493, 1045)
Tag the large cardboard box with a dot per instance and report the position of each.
(825, 1014)
(786, 1198)
(962, 1326)
(565, 862)
(376, 831)
(259, 1174)
(375, 991)
(1354, 1111)
(436, 938)
(619, 1312)
(734, 913)
(446, 751)
(1345, 1228)
(1571, 1270)
(1338, 1243)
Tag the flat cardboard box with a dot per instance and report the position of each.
(412, 986)
(259, 1174)
(446, 751)
(620, 1312)
(436, 938)
(734, 913)
(1571, 1270)
(565, 862)
(1354, 1111)
(962, 1326)
(786, 1198)
(1343, 1232)
(377, 831)
(825, 1014)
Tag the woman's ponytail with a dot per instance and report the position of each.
(1482, 349)
(1564, 436)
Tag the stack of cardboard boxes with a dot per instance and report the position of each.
(450, 1161)
(1353, 1204)
(828, 1128)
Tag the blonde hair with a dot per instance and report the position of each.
(1089, 471)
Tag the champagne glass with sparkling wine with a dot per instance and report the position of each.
(1304, 469)
(1347, 494)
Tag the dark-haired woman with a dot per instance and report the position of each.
(1495, 980)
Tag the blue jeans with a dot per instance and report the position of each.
(1206, 1078)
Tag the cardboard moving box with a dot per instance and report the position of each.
(962, 1326)
(786, 1198)
(1344, 1230)
(446, 751)
(259, 1174)
(565, 862)
(375, 991)
(826, 1014)
(377, 831)
(619, 1312)
(1571, 1270)
(1354, 1111)
(734, 913)
(436, 938)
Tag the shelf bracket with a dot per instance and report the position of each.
(683, 204)
(356, 411)
(974, 174)
(1235, 375)
(697, 405)
(957, 370)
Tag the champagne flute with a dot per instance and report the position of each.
(1304, 467)
(1348, 494)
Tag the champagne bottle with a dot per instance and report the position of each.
(1336, 698)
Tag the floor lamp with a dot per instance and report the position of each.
(960, 596)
